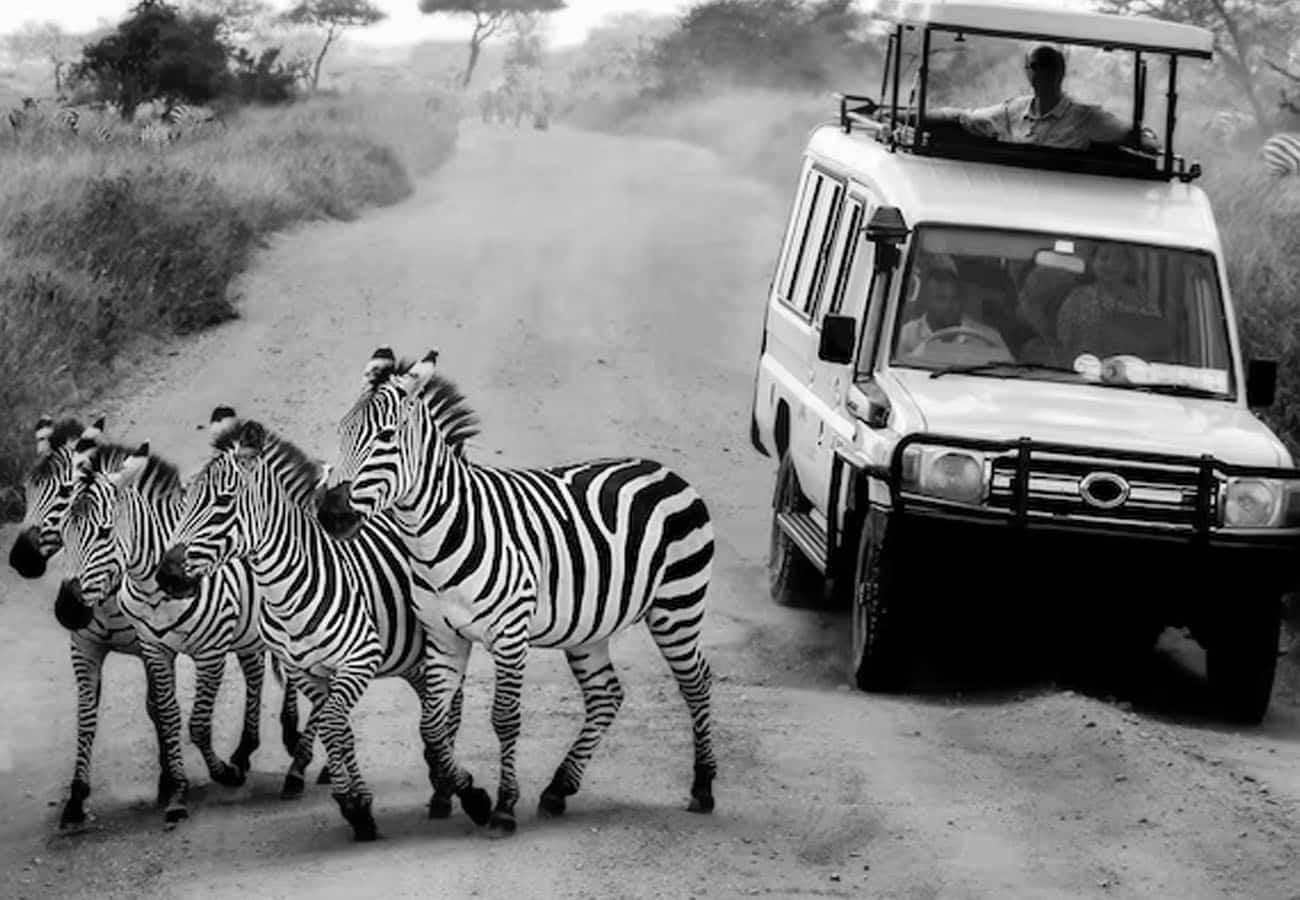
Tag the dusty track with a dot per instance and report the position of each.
(597, 295)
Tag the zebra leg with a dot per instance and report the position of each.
(301, 755)
(509, 653)
(87, 668)
(349, 789)
(253, 664)
(208, 672)
(439, 803)
(289, 733)
(674, 624)
(446, 658)
(602, 695)
(173, 786)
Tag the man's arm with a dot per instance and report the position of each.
(1107, 128)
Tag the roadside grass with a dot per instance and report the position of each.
(105, 245)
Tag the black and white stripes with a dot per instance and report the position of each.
(562, 557)
(1281, 154)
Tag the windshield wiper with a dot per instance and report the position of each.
(994, 366)
(1172, 390)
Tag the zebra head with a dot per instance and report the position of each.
(392, 441)
(214, 522)
(48, 492)
(90, 542)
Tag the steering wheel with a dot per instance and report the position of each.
(955, 331)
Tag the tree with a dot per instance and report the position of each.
(240, 19)
(46, 41)
(333, 16)
(1249, 35)
(489, 16)
(158, 52)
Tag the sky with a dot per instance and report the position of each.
(405, 23)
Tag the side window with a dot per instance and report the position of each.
(845, 255)
(792, 251)
(821, 240)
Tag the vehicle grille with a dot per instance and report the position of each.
(1159, 494)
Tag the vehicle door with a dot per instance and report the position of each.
(842, 291)
(790, 341)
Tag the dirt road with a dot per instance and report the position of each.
(597, 295)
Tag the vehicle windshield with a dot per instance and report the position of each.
(1062, 307)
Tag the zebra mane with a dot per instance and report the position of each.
(297, 472)
(451, 413)
(65, 432)
(159, 478)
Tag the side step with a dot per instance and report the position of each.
(807, 535)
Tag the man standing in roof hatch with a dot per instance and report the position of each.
(1048, 117)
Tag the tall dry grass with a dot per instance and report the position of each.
(102, 246)
(762, 132)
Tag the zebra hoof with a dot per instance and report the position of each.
(701, 804)
(551, 805)
(324, 776)
(73, 818)
(439, 807)
(242, 759)
(293, 787)
(502, 824)
(228, 776)
(477, 805)
(175, 813)
(357, 813)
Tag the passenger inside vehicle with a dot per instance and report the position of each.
(943, 319)
(1047, 117)
(1113, 314)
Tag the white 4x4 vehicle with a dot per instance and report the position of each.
(1026, 357)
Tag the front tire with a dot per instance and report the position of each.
(881, 632)
(792, 578)
(1241, 660)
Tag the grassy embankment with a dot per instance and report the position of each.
(107, 247)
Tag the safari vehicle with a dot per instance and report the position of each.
(1116, 471)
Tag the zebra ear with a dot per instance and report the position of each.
(251, 440)
(379, 366)
(94, 431)
(420, 373)
(220, 423)
(132, 468)
(44, 429)
(83, 459)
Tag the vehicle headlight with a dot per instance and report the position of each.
(940, 472)
(1261, 503)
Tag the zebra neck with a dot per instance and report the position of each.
(285, 537)
(430, 520)
(149, 521)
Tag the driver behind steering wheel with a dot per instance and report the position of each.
(941, 304)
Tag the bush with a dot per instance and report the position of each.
(110, 245)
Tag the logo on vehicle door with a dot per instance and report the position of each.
(1103, 490)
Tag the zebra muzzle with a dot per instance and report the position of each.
(70, 606)
(335, 512)
(26, 557)
(172, 577)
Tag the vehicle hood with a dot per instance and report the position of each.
(1086, 414)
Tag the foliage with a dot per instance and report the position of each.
(157, 51)
(1252, 39)
(110, 250)
(489, 17)
(778, 43)
(266, 77)
(333, 16)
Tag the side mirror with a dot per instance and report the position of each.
(838, 334)
(1261, 382)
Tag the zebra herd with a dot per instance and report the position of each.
(154, 123)
(393, 561)
(511, 104)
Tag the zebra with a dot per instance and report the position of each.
(19, 115)
(50, 490)
(1281, 153)
(337, 614)
(562, 557)
(114, 536)
(159, 134)
(189, 119)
